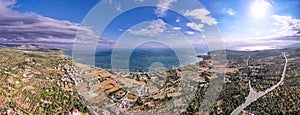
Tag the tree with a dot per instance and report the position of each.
(139, 101)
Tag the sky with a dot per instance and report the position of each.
(242, 24)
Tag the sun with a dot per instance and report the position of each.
(260, 8)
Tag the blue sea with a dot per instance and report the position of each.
(143, 59)
(137, 60)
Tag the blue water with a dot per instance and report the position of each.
(140, 60)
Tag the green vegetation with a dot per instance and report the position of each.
(36, 82)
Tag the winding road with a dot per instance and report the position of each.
(253, 95)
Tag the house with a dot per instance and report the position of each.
(120, 94)
(112, 90)
(46, 102)
(226, 80)
(10, 111)
(219, 111)
(75, 112)
(104, 74)
(199, 79)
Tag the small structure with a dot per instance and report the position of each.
(75, 112)
(10, 111)
(219, 111)
(119, 94)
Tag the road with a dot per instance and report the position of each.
(247, 62)
(253, 95)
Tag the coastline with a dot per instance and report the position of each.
(63, 51)
(196, 58)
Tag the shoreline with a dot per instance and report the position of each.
(198, 58)
(39, 48)
(113, 71)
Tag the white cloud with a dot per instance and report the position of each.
(287, 25)
(201, 14)
(155, 28)
(287, 33)
(6, 5)
(119, 7)
(16, 27)
(190, 32)
(176, 28)
(163, 6)
(121, 30)
(229, 11)
(197, 27)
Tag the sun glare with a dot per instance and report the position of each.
(260, 8)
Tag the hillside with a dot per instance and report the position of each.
(34, 82)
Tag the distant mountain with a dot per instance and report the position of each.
(31, 47)
(296, 37)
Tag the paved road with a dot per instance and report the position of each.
(247, 62)
(253, 95)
